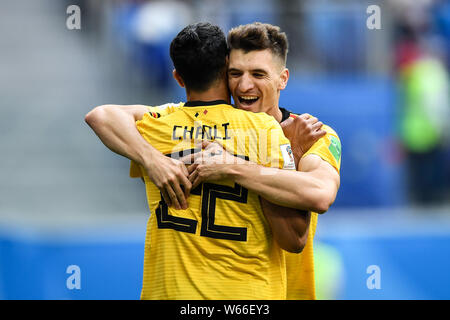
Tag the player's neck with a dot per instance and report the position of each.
(275, 110)
(276, 113)
(218, 92)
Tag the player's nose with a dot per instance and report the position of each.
(245, 84)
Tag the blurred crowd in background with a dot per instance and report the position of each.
(65, 199)
(328, 39)
(422, 61)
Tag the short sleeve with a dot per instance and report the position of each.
(328, 148)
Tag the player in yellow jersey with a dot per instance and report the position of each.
(257, 60)
(220, 245)
(257, 73)
(300, 267)
(253, 66)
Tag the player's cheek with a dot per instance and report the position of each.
(231, 83)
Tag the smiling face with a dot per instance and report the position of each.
(255, 79)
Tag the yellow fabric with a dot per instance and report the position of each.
(323, 145)
(300, 267)
(165, 109)
(221, 247)
(155, 112)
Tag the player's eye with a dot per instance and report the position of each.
(234, 73)
(258, 75)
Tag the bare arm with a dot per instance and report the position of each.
(289, 226)
(115, 125)
(313, 188)
(292, 225)
(287, 197)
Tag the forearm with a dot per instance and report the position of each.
(293, 189)
(116, 128)
(289, 226)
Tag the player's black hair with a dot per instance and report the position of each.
(199, 54)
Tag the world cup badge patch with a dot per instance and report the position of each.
(335, 148)
(288, 157)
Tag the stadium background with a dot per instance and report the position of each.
(66, 200)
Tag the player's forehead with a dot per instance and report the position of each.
(251, 60)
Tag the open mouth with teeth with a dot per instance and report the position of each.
(248, 100)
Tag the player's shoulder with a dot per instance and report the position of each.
(330, 130)
(169, 105)
(164, 109)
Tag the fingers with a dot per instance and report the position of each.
(192, 177)
(287, 122)
(198, 157)
(209, 149)
(166, 197)
(305, 116)
(192, 167)
(181, 179)
(312, 120)
(187, 186)
(195, 179)
(320, 133)
(183, 169)
(317, 130)
(180, 200)
(305, 120)
(173, 193)
(208, 145)
(207, 156)
(196, 182)
(316, 126)
(170, 184)
(188, 159)
(172, 196)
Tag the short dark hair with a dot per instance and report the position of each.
(199, 54)
(259, 36)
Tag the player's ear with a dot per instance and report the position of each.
(177, 77)
(284, 77)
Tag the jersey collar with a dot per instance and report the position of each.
(284, 114)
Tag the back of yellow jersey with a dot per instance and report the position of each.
(221, 247)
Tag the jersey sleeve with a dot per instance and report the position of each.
(280, 154)
(328, 148)
(155, 112)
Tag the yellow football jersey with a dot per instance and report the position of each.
(300, 267)
(164, 110)
(221, 247)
